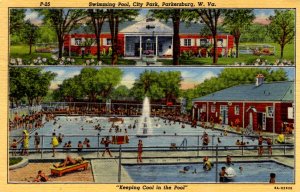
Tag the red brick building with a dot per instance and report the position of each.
(263, 106)
(148, 37)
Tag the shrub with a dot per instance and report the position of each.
(15, 160)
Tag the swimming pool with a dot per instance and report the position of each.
(253, 172)
(77, 128)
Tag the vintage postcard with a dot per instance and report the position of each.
(149, 96)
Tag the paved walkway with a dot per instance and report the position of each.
(143, 63)
(106, 171)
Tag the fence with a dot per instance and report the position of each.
(23, 111)
(215, 153)
(130, 109)
(163, 143)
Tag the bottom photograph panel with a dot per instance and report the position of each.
(151, 125)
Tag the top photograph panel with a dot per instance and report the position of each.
(152, 37)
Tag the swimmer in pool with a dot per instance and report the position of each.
(185, 169)
(241, 169)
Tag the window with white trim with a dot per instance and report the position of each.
(236, 110)
(290, 112)
(213, 108)
(188, 42)
(203, 42)
(108, 42)
(203, 107)
(78, 41)
(270, 112)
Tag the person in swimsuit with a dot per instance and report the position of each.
(14, 146)
(228, 160)
(140, 151)
(185, 169)
(222, 174)
(269, 142)
(37, 142)
(69, 161)
(260, 147)
(41, 177)
(205, 140)
(272, 178)
(106, 143)
(206, 164)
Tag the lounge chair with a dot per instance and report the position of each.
(61, 170)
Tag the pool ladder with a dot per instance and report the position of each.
(183, 144)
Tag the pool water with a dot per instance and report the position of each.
(162, 134)
(254, 172)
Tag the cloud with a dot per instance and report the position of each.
(262, 19)
(33, 17)
(128, 80)
(188, 74)
(54, 85)
(205, 75)
(262, 16)
(193, 76)
(62, 74)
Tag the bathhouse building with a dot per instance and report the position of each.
(258, 107)
(147, 37)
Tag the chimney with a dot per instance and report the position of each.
(259, 79)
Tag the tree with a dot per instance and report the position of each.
(30, 34)
(157, 85)
(211, 17)
(282, 28)
(69, 90)
(237, 21)
(98, 17)
(115, 17)
(260, 31)
(88, 83)
(46, 33)
(170, 83)
(62, 21)
(120, 92)
(31, 83)
(17, 85)
(175, 15)
(16, 20)
(108, 79)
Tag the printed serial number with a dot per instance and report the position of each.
(283, 188)
(44, 4)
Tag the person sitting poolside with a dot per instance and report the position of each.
(280, 139)
(69, 161)
(41, 177)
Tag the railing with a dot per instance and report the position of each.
(180, 141)
(26, 110)
(164, 152)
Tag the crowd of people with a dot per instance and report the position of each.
(168, 117)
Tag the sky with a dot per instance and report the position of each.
(191, 76)
(261, 15)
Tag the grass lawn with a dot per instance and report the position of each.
(21, 51)
(288, 54)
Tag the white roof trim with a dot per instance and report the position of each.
(140, 28)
